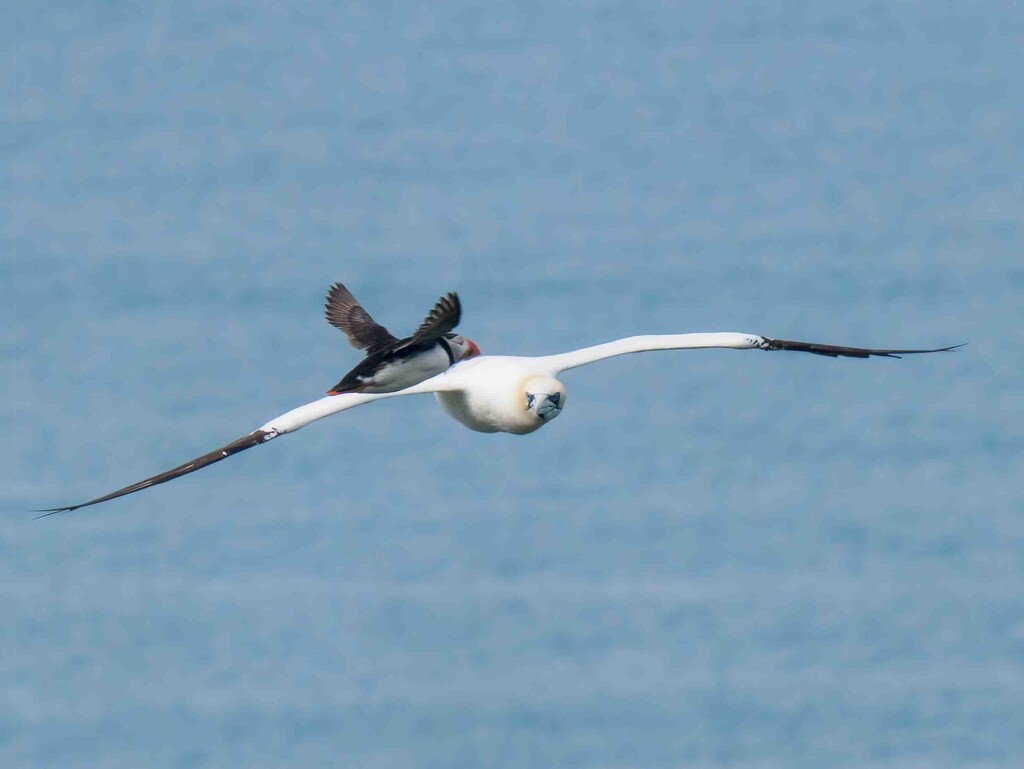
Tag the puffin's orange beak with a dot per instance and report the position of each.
(471, 350)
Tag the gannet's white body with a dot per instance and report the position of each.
(494, 393)
(492, 398)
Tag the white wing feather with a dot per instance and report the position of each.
(299, 417)
(727, 339)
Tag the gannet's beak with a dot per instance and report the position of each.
(471, 350)
(551, 406)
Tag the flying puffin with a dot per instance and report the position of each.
(495, 393)
(393, 364)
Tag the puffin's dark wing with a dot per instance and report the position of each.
(363, 332)
(247, 442)
(440, 320)
(834, 351)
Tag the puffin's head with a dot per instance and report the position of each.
(544, 397)
(462, 348)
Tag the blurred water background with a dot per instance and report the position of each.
(712, 559)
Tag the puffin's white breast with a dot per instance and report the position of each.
(404, 372)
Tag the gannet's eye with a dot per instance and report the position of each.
(530, 398)
(555, 399)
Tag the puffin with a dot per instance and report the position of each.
(392, 364)
(500, 393)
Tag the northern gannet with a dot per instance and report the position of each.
(393, 364)
(495, 393)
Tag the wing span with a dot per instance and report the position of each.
(288, 422)
(254, 438)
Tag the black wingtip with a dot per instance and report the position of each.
(838, 351)
(916, 352)
(255, 438)
(47, 512)
(937, 349)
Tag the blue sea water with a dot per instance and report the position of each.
(711, 559)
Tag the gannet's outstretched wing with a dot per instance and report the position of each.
(255, 438)
(729, 340)
(286, 423)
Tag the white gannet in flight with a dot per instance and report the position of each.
(497, 393)
(393, 364)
